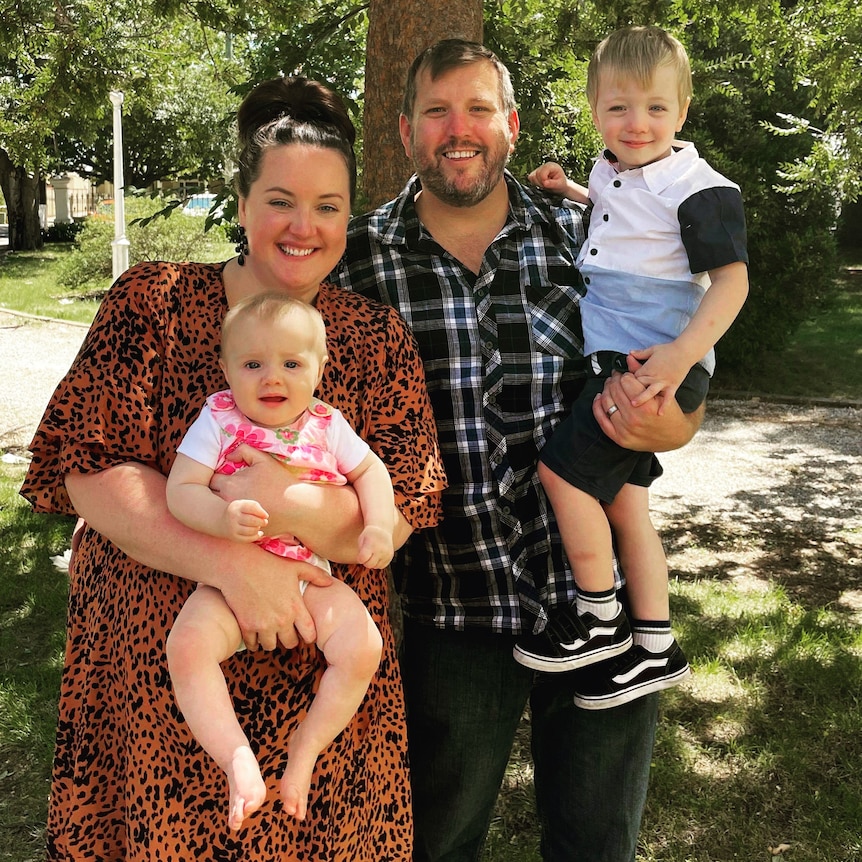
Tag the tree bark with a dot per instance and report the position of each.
(21, 193)
(397, 32)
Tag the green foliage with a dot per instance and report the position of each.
(549, 81)
(793, 261)
(179, 238)
(62, 232)
(750, 63)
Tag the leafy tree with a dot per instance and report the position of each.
(59, 61)
(182, 130)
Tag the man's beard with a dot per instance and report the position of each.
(448, 189)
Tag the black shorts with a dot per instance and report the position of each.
(581, 454)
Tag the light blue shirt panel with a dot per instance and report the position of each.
(632, 311)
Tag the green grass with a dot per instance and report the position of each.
(763, 747)
(28, 284)
(28, 281)
(32, 638)
(824, 357)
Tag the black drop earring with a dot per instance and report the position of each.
(241, 245)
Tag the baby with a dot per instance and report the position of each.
(273, 351)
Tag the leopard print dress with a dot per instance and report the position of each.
(129, 781)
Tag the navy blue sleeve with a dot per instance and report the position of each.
(712, 225)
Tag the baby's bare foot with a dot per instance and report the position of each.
(296, 781)
(247, 790)
(295, 802)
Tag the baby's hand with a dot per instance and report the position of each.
(375, 548)
(662, 372)
(245, 520)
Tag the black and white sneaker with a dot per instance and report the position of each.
(570, 641)
(634, 674)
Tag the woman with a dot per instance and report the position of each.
(129, 781)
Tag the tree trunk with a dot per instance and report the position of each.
(21, 192)
(397, 32)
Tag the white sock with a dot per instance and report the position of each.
(603, 605)
(652, 636)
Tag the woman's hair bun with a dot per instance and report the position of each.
(299, 99)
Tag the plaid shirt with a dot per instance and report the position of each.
(503, 361)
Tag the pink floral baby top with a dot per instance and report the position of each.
(319, 447)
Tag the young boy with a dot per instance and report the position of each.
(665, 266)
(273, 353)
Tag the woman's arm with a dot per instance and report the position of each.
(191, 501)
(325, 518)
(127, 505)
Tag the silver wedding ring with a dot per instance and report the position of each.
(611, 410)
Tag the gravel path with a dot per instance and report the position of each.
(34, 355)
(764, 490)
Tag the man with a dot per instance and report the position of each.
(483, 271)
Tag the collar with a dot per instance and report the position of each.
(397, 223)
(659, 175)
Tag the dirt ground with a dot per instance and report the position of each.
(765, 491)
(768, 492)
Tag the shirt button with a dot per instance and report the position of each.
(594, 251)
(587, 280)
(605, 217)
(617, 184)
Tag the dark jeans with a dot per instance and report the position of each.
(465, 698)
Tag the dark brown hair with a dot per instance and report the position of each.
(291, 111)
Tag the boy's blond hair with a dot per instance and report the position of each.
(268, 307)
(636, 52)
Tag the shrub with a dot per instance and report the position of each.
(178, 237)
(63, 232)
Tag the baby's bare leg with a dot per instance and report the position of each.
(205, 634)
(352, 645)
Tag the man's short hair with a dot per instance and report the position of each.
(449, 54)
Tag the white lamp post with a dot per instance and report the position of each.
(120, 245)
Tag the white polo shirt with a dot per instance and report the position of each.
(654, 234)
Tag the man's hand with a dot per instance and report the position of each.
(641, 428)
